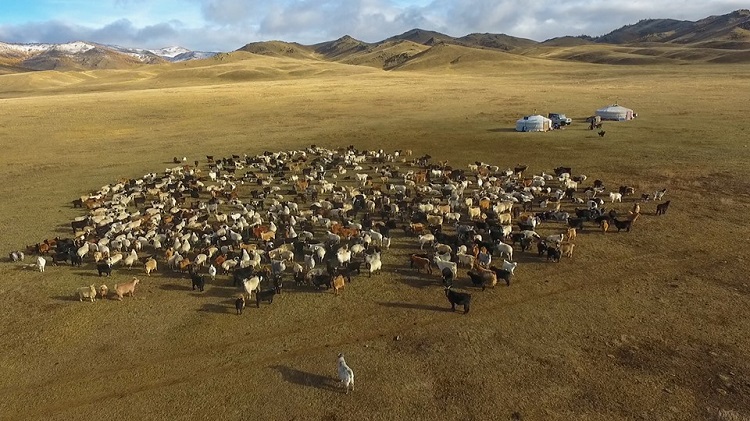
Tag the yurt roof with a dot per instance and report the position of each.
(614, 108)
(535, 117)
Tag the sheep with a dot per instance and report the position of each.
(661, 208)
(346, 374)
(426, 239)
(239, 304)
(374, 264)
(567, 249)
(126, 288)
(443, 248)
(212, 272)
(343, 256)
(458, 298)
(17, 256)
(615, 197)
(421, 263)
(130, 260)
(103, 291)
(266, 295)
(386, 243)
(150, 266)
(41, 262)
(87, 292)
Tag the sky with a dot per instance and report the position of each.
(226, 25)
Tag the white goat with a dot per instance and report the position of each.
(346, 374)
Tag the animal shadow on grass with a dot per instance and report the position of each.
(93, 273)
(417, 280)
(219, 308)
(304, 378)
(70, 297)
(175, 287)
(414, 306)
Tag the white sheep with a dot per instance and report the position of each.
(87, 292)
(504, 250)
(346, 374)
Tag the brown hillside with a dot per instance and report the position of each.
(421, 36)
(495, 41)
(386, 55)
(279, 49)
(340, 48)
(445, 56)
(567, 41)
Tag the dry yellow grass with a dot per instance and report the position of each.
(647, 325)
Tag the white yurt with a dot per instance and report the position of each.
(533, 123)
(615, 113)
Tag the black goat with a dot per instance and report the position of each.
(239, 304)
(622, 225)
(198, 281)
(104, 268)
(266, 295)
(661, 208)
(541, 248)
(458, 298)
(477, 279)
(502, 274)
(553, 254)
(447, 274)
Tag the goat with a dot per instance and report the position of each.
(615, 197)
(622, 225)
(482, 278)
(661, 208)
(251, 284)
(458, 298)
(103, 291)
(442, 264)
(421, 263)
(16, 256)
(338, 283)
(41, 262)
(150, 266)
(602, 133)
(126, 288)
(346, 374)
(447, 275)
(571, 234)
(503, 274)
(374, 264)
(265, 295)
(198, 281)
(239, 304)
(426, 239)
(504, 250)
(604, 225)
(567, 249)
(104, 268)
(553, 254)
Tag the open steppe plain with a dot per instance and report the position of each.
(647, 325)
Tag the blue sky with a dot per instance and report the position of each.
(225, 25)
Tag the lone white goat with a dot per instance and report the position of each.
(346, 375)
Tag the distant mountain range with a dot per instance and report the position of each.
(724, 38)
(82, 55)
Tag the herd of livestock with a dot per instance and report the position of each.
(319, 217)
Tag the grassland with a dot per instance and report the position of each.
(648, 325)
